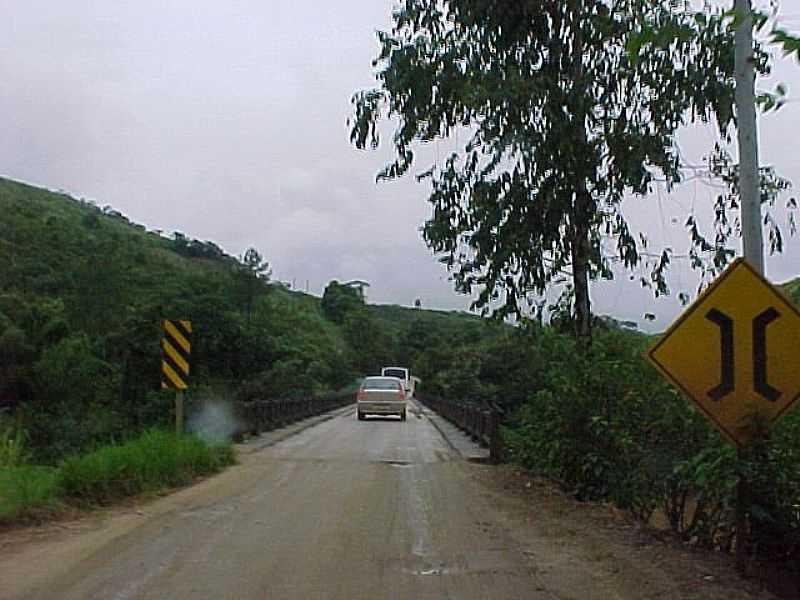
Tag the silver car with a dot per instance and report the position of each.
(381, 396)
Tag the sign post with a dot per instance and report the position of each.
(179, 411)
(175, 352)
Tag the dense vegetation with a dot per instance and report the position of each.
(82, 291)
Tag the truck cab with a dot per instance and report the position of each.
(403, 374)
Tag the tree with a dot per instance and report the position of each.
(373, 346)
(563, 122)
(253, 272)
(339, 300)
(16, 355)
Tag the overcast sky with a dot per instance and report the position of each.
(226, 121)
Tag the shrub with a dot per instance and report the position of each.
(607, 427)
(74, 408)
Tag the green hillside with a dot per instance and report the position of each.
(82, 292)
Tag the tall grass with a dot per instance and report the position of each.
(27, 491)
(155, 460)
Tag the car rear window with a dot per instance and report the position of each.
(380, 384)
(395, 373)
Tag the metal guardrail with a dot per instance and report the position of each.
(259, 416)
(482, 424)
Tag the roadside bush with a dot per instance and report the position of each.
(156, 459)
(772, 469)
(589, 423)
(608, 427)
(74, 408)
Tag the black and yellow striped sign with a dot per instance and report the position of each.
(176, 347)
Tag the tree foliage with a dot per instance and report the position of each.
(563, 121)
(711, 253)
(339, 300)
(252, 275)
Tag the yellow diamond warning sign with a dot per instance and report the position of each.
(736, 353)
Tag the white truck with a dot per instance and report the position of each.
(403, 374)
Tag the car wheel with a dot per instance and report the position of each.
(403, 416)
(361, 416)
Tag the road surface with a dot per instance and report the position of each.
(343, 510)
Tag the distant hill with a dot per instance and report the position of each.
(792, 289)
(50, 239)
(399, 317)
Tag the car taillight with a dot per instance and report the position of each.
(360, 396)
(401, 394)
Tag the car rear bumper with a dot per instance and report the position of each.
(381, 408)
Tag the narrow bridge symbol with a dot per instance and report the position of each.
(727, 384)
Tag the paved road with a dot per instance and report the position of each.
(345, 509)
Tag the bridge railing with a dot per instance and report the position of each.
(481, 423)
(258, 416)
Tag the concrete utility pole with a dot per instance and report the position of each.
(752, 240)
(747, 134)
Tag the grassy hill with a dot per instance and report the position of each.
(98, 263)
(94, 260)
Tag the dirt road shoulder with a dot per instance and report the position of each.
(634, 562)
